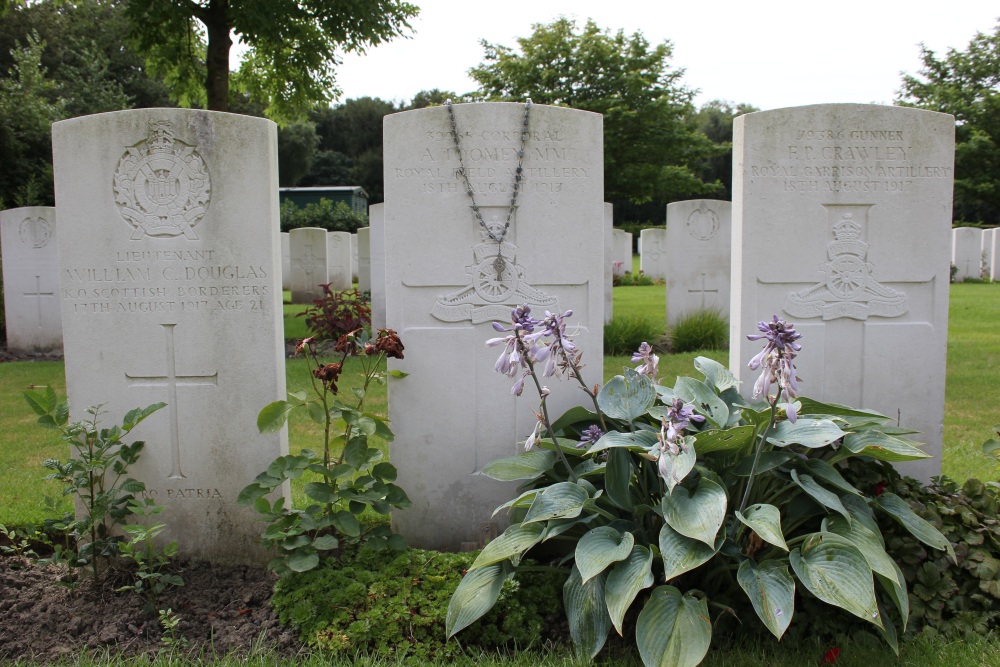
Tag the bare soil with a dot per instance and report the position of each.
(222, 610)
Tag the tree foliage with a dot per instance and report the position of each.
(966, 84)
(715, 120)
(292, 46)
(652, 150)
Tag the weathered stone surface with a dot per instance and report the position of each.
(364, 260)
(310, 263)
(622, 262)
(376, 219)
(31, 280)
(698, 257)
(967, 252)
(653, 253)
(339, 258)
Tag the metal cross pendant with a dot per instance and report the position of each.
(499, 265)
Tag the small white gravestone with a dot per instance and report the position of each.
(622, 262)
(286, 261)
(354, 256)
(698, 257)
(310, 267)
(31, 280)
(339, 256)
(967, 252)
(377, 240)
(445, 283)
(170, 287)
(842, 226)
(609, 248)
(364, 260)
(653, 253)
(992, 240)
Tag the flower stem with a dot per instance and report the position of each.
(760, 449)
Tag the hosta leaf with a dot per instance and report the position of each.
(559, 501)
(835, 571)
(899, 510)
(867, 542)
(476, 594)
(698, 515)
(811, 407)
(810, 433)
(880, 446)
(514, 541)
(587, 613)
(674, 468)
(599, 548)
(823, 470)
(639, 441)
(527, 465)
(718, 374)
(617, 478)
(673, 630)
(682, 554)
(821, 495)
(771, 589)
(626, 579)
(626, 398)
(727, 440)
(705, 400)
(765, 520)
(859, 510)
(898, 593)
(768, 461)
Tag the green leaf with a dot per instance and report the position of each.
(830, 475)
(768, 461)
(880, 446)
(560, 501)
(384, 471)
(273, 417)
(836, 572)
(303, 561)
(771, 590)
(824, 497)
(859, 510)
(674, 468)
(899, 510)
(811, 407)
(716, 373)
(626, 398)
(299, 396)
(704, 399)
(42, 403)
(396, 373)
(698, 515)
(321, 492)
(476, 594)
(682, 554)
(527, 465)
(626, 579)
(325, 543)
(867, 542)
(346, 523)
(810, 433)
(514, 541)
(618, 478)
(639, 441)
(898, 593)
(600, 547)
(575, 415)
(673, 630)
(316, 412)
(250, 494)
(587, 613)
(730, 439)
(765, 520)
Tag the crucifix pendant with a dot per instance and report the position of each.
(499, 265)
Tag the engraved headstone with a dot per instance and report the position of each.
(447, 279)
(31, 280)
(842, 225)
(653, 253)
(170, 288)
(364, 260)
(286, 261)
(698, 257)
(967, 252)
(609, 248)
(377, 254)
(310, 267)
(622, 262)
(339, 257)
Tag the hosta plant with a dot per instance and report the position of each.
(673, 505)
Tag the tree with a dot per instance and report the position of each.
(966, 84)
(715, 120)
(292, 45)
(651, 148)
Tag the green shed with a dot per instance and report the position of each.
(352, 195)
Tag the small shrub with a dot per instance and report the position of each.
(699, 330)
(624, 333)
(325, 214)
(337, 313)
(397, 606)
(629, 279)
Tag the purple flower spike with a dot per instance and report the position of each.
(776, 361)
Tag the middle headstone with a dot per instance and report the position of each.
(339, 254)
(447, 278)
(310, 264)
(31, 280)
(622, 259)
(653, 253)
(364, 260)
(698, 257)
(967, 252)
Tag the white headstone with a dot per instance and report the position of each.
(354, 256)
(286, 261)
(454, 413)
(993, 241)
(653, 253)
(698, 257)
(842, 226)
(31, 280)
(364, 260)
(170, 287)
(609, 248)
(339, 255)
(377, 239)
(310, 267)
(622, 262)
(967, 252)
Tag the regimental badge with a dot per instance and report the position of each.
(35, 232)
(703, 223)
(162, 186)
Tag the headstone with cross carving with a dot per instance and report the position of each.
(170, 285)
(31, 280)
(310, 264)
(698, 257)
(842, 226)
(448, 277)
(967, 252)
(653, 253)
(338, 248)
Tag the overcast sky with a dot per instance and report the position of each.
(770, 53)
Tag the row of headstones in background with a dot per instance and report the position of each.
(621, 261)
(31, 280)
(317, 257)
(974, 253)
